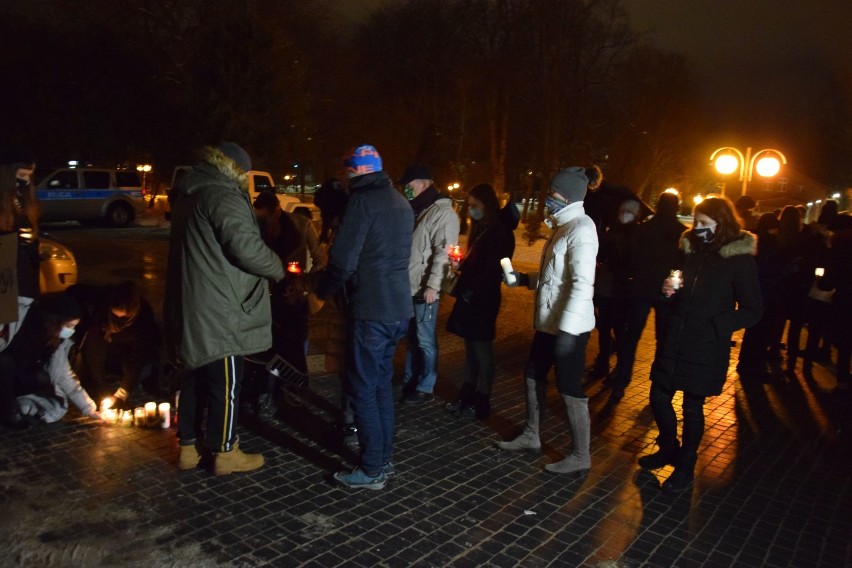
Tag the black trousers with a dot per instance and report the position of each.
(218, 384)
(566, 353)
(664, 415)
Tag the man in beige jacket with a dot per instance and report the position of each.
(436, 229)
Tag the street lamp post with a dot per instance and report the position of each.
(728, 160)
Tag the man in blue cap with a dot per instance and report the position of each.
(370, 257)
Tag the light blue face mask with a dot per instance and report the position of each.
(476, 213)
(553, 205)
(66, 332)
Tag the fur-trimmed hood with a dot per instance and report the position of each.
(225, 165)
(746, 243)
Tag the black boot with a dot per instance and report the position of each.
(464, 401)
(482, 406)
(666, 455)
(684, 473)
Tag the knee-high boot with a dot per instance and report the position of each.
(578, 418)
(529, 439)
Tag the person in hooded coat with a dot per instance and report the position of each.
(720, 293)
(217, 307)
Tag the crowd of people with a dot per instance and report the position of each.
(243, 279)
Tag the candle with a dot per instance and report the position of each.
(139, 418)
(165, 414)
(456, 253)
(676, 276)
(819, 272)
(126, 418)
(294, 267)
(106, 403)
(151, 412)
(109, 415)
(506, 263)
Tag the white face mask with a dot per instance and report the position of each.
(66, 332)
(626, 217)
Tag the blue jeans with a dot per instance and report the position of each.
(370, 370)
(421, 360)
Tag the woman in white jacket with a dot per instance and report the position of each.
(35, 364)
(564, 318)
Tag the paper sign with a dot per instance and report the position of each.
(8, 278)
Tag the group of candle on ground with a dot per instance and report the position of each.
(151, 415)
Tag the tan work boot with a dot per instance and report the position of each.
(189, 457)
(236, 461)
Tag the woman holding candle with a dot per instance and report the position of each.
(477, 293)
(37, 379)
(720, 294)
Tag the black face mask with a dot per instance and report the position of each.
(705, 234)
(22, 183)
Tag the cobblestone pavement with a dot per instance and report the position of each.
(772, 489)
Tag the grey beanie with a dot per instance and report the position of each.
(570, 183)
(237, 154)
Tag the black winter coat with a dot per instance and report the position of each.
(652, 253)
(477, 291)
(720, 294)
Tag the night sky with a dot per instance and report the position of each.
(764, 66)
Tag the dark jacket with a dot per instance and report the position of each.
(613, 271)
(477, 291)
(371, 251)
(652, 254)
(720, 294)
(217, 296)
(139, 338)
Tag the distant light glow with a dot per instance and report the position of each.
(697, 199)
(768, 167)
(671, 190)
(727, 164)
(835, 195)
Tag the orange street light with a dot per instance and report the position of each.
(728, 160)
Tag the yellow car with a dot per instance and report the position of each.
(58, 267)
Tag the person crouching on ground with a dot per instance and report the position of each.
(720, 293)
(564, 318)
(35, 365)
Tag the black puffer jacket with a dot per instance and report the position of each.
(720, 294)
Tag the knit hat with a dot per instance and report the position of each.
(570, 183)
(362, 160)
(63, 305)
(237, 154)
(415, 171)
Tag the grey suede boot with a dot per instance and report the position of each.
(529, 438)
(578, 418)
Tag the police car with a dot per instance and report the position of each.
(114, 196)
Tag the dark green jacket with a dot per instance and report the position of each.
(217, 296)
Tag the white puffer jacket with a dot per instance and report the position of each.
(565, 285)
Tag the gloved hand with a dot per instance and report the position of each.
(521, 279)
